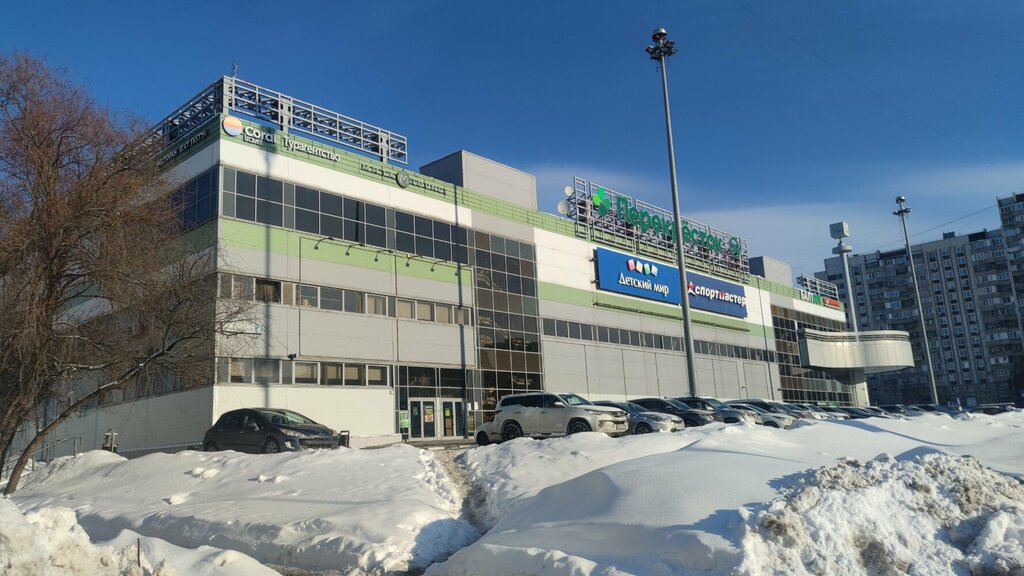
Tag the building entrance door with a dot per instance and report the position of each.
(435, 418)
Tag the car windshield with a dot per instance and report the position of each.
(716, 404)
(574, 400)
(750, 407)
(679, 405)
(286, 417)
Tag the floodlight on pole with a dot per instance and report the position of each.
(838, 231)
(662, 49)
(902, 213)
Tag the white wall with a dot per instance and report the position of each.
(362, 411)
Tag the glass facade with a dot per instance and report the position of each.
(799, 383)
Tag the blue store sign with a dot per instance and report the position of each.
(625, 274)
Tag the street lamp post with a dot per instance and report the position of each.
(902, 213)
(662, 49)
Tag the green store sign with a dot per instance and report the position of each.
(656, 225)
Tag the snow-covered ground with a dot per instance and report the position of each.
(929, 495)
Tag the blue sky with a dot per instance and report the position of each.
(787, 114)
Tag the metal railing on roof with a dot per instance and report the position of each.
(291, 115)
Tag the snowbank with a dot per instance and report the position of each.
(369, 511)
(50, 543)
(692, 502)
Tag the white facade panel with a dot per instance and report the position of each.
(565, 261)
(435, 344)
(365, 411)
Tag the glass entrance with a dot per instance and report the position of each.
(435, 418)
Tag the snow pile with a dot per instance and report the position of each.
(929, 514)
(364, 511)
(679, 503)
(50, 542)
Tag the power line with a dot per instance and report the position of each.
(860, 83)
(882, 247)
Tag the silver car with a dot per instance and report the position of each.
(546, 414)
(643, 421)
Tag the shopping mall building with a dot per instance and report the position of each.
(394, 303)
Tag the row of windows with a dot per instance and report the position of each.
(277, 203)
(276, 371)
(239, 287)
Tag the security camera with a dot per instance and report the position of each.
(900, 199)
(658, 34)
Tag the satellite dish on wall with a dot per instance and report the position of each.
(568, 190)
(563, 208)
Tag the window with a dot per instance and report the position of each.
(265, 371)
(331, 374)
(425, 311)
(443, 314)
(268, 291)
(354, 375)
(353, 301)
(330, 298)
(377, 375)
(242, 288)
(241, 370)
(305, 373)
(308, 296)
(406, 308)
(463, 316)
(376, 305)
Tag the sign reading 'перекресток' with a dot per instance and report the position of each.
(626, 274)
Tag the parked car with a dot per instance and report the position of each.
(780, 419)
(817, 411)
(546, 414)
(938, 409)
(691, 416)
(856, 412)
(728, 414)
(836, 412)
(899, 409)
(806, 412)
(487, 433)
(643, 421)
(267, 430)
(876, 411)
(993, 409)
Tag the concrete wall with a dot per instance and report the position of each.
(171, 420)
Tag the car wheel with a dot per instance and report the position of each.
(210, 446)
(511, 431)
(642, 428)
(771, 424)
(577, 426)
(482, 439)
(271, 446)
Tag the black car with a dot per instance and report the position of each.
(690, 416)
(267, 430)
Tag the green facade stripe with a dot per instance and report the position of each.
(374, 170)
(241, 234)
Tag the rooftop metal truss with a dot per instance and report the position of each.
(818, 286)
(291, 115)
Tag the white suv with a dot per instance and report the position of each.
(544, 414)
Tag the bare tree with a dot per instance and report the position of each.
(99, 288)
